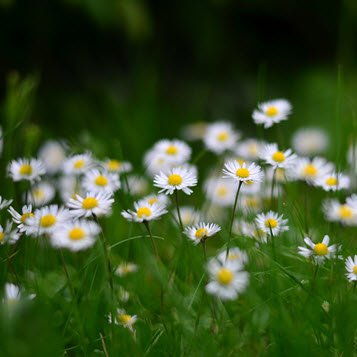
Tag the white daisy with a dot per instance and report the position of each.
(126, 268)
(77, 164)
(116, 166)
(236, 257)
(41, 194)
(251, 230)
(271, 223)
(26, 169)
(220, 191)
(178, 178)
(276, 158)
(138, 185)
(226, 280)
(242, 172)
(318, 251)
(4, 203)
(249, 149)
(12, 293)
(250, 203)
(99, 181)
(334, 182)
(188, 215)
(154, 198)
(176, 152)
(336, 212)
(144, 211)
(22, 219)
(77, 235)
(201, 231)
(310, 141)
(194, 131)
(68, 187)
(52, 154)
(8, 235)
(220, 136)
(92, 204)
(272, 112)
(122, 318)
(351, 267)
(155, 162)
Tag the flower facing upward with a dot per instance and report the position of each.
(249, 149)
(277, 158)
(201, 231)
(310, 141)
(345, 213)
(41, 194)
(272, 112)
(144, 211)
(178, 178)
(26, 169)
(52, 154)
(101, 181)
(175, 152)
(236, 257)
(124, 319)
(351, 268)
(318, 251)
(333, 182)
(116, 166)
(242, 172)
(271, 223)
(77, 164)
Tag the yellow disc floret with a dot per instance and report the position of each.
(76, 233)
(174, 180)
(345, 212)
(310, 170)
(271, 111)
(222, 191)
(2, 236)
(124, 319)
(321, 249)
(200, 233)
(242, 172)
(143, 211)
(222, 136)
(101, 181)
(25, 169)
(48, 220)
(331, 181)
(25, 216)
(152, 200)
(278, 156)
(113, 165)
(171, 150)
(354, 269)
(224, 276)
(79, 164)
(90, 203)
(271, 223)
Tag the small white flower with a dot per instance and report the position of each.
(242, 172)
(8, 235)
(178, 178)
(250, 203)
(138, 185)
(226, 280)
(276, 158)
(22, 219)
(310, 141)
(220, 136)
(334, 182)
(250, 230)
(77, 235)
(194, 131)
(41, 194)
(351, 267)
(188, 215)
(69, 186)
(98, 181)
(77, 164)
(4, 203)
(272, 112)
(155, 162)
(220, 191)
(201, 231)
(271, 223)
(175, 152)
(336, 212)
(92, 204)
(26, 169)
(122, 318)
(249, 149)
(160, 198)
(12, 293)
(126, 268)
(116, 166)
(52, 154)
(144, 211)
(319, 251)
(236, 257)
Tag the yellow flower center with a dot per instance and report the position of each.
(38, 194)
(222, 136)
(252, 202)
(222, 191)
(113, 165)
(331, 181)
(25, 216)
(240, 161)
(253, 149)
(77, 233)
(200, 233)
(171, 150)
(78, 164)
(26, 169)
(354, 269)
(271, 223)
(345, 211)
(48, 220)
(233, 256)
(224, 276)
(310, 170)
(278, 156)
(321, 249)
(90, 203)
(152, 200)
(174, 180)
(143, 211)
(101, 181)
(242, 172)
(2, 236)
(271, 111)
(124, 319)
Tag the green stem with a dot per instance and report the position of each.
(146, 224)
(204, 250)
(178, 210)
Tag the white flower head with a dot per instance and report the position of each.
(75, 235)
(277, 158)
(250, 203)
(271, 223)
(175, 152)
(155, 162)
(345, 213)
(251, 230)
(351, 268)
(8, 235)
(236, 258)
(69, 186)
(143, 211)
(334, 181)
(21, 219)
(154, 198)
(310, 141)
(318, 251)
(4, 203)
(272, 112)
(92, 204)
(220, 136)
(40, 194)
(116, 166)
(178, 178)
(124, 319)
(249, 149)
(201, 231)
(138, 185)
(12, 293)
(189, 215)
(77, 164)
(26, 169)
(101, 181)
(242, 172)
(194, 131)
(52, 154)
(126, 268)
(220, 191)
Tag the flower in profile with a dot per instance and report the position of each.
(124, 319)
(226, 280)
(26, 169)
(334, 182)
(4, 203)
(116, 166)
(310, 141)
(220, 191)
(154, 198)
(242, 172)
(69, 187)
(52, 154)
(138, 185)
(144, 211)
(249, 149)
(351, 268)
(77, 164)
(40, 194)
(178, 178)
(92, 204)
(12, 293)
(318, 251)
(220, 136)
(271, 223)
(272, 112)
(250, 203)
(200, 232)
(236, 257)
(21, 219)
(345, 213)
(194, 131)
(126, 268)
(277, 158)
(76, 235)
(8, 235)
(101, 181)
(250, 229)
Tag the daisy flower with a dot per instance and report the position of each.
(310, 141)
(178, 178)
(46, 219)
(250, 203)
(272, 112)
(78, 235)
(40, 194)
(188, 215)
(318, 251)
(249, 149)
(351, 267)
(144, 212)
(176, 152)
(160, 198)
(122, 318)
(52, 154)
(333, 182)
(250, 229)
(194, 131)
(126, 268)
(138, 185)
(97, 181)
(242, 172)
(201, 231)
(116, 166)
(92, 204)
(345, 213)
(21, 219)
(220, 191)
(8, 235)
(69, 187)
(220, 136)
(155, 162)
(77, 164)
(26, 169)
(276, 158)
(226, 280)
(271, 223)
(236, 257)
(12, 293)
(4, 203)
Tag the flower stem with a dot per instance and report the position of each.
(146, 224)
(204, 250)
(273, 186)
(178, 210)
